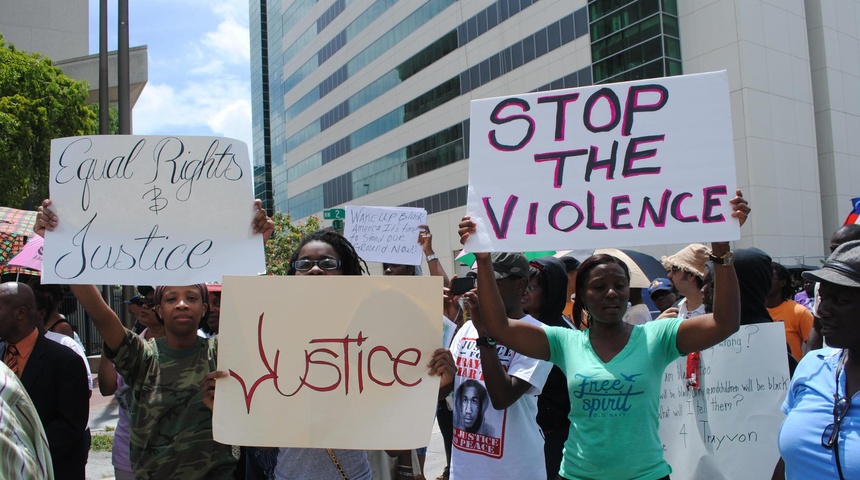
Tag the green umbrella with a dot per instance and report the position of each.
(469, 259)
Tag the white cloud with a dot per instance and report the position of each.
(204, 87)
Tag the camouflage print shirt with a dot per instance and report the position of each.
(171, 428)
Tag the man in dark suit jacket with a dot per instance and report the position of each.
(54, 376)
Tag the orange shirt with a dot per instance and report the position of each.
(798, 322)
(25, 348)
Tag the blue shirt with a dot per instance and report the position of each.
(809, 409)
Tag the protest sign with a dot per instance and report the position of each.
(728, 427)
(385, 234)
(639, 163)
(339, 362)
(150, 210)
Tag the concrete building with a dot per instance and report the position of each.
(60, 31)
(367, 101)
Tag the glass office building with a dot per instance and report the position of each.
(367, 101)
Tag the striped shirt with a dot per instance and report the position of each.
(23, 446)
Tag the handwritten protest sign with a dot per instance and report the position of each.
(385, 234)
(340, 362)
(639, 163)
(150, 210)
(727, 429)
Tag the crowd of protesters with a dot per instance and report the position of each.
(550, 344)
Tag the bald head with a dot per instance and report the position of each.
(17, 311)
(845, 233)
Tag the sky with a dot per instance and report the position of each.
(199, 65)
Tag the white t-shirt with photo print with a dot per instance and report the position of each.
(490, 443)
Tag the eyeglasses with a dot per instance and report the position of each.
(830, 436)
(305, 264)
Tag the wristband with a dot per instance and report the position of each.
(486, 341)
(432, 257)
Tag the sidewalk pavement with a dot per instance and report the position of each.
(104, 413)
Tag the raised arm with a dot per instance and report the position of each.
(425, 239)
(524, 338)
(705, 331)
(105, 320)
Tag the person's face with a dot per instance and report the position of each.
(837, 310)
(607, 291)
(470, 404)
(776, 284)
(134, 310)
(809, 287)
(181, 308)
(317, 250)
(511, 289)
(146, 316)
(682, 282)
(663, 299)
(532, 300)
(214, 311)
(398, 270)
(9, 316)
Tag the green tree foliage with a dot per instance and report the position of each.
(37, 103)
(285, 240)
(113, 118)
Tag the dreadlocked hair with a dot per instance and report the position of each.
(351, 263)
(787, 291)
(582, 275)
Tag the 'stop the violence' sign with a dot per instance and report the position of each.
(638, 163)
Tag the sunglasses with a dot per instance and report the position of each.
(305, 264)
(840, 408)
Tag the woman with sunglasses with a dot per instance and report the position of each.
(171, 430)
(614, 369)
(820, 436)
(324, 252)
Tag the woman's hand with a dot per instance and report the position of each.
(262, 223)
(467, 227)
(425, 239)
(207, 387)
(45, 219)
(442, 365)
(740, 207)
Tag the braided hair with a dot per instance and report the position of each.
(351, 263)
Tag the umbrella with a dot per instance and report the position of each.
(17, 222)
(11, 245)
(643, 267)
(468, 259)
(30, 257)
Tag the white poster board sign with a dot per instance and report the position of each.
(150, 210)
(336, 361)
(639, 163)
(385, 234)
(727, 429)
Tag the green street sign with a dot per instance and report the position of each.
(337, 224)
(333, 213)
